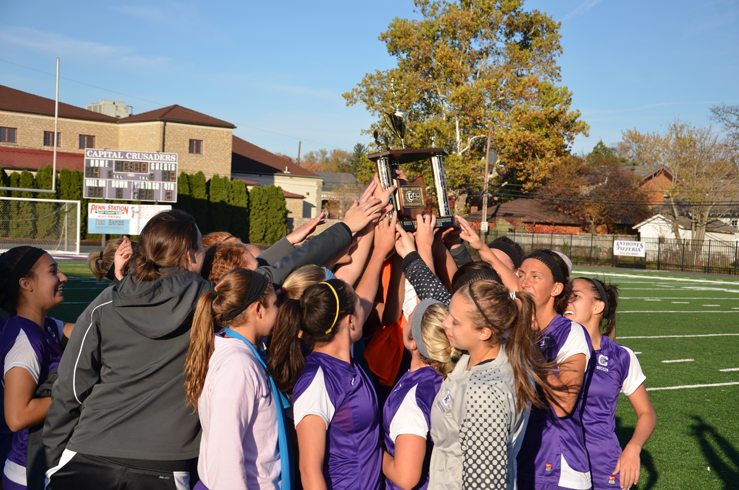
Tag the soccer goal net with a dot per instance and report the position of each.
(50, 224)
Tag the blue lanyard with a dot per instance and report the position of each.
(281, 403)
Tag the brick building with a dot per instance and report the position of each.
(27, 123)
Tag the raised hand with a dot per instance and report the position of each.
(404, 243)
(359, 215)
(385, 235)
(469, 235)
(425, 231)
(302, 232)
(124, 252)
(370, 190)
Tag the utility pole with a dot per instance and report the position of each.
(299, 143)
(488, 155)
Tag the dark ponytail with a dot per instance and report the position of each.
(315, 315)
(607, 322)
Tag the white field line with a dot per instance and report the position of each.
(648, 289)
(652, 299)
(678, 360)
(703, 288)
(734, 308)
(711, 305)
(637, 352)
(681, 302)
(678, 311)
(728, 370)
(680, 336)
(676, 297)
(676, 279)
(692, 386)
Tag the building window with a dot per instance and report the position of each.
(49, 139)
(196, 147)
(86, 141)
(8, 135)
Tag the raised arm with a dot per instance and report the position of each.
(509, 278)
(426, 284)
(384, 241)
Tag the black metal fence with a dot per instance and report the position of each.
(707, 256)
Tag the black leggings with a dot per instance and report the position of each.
(85, 472)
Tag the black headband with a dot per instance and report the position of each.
(602, 291)
(507, 249)
(257, 288)
(472, 295)
(21, 269)
(475, 276)
(549, 261)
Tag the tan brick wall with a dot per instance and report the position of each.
(294, 208)
(31, 129)
(145, 136)
(217, 145)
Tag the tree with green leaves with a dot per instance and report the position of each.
(218, 212)
(606, 156)
(360, 166)
(48, 213)
(467, 67)
(267, 215)
(184, 199)
(199, 193)
(239, 210)
(4, 182)
(23, 213)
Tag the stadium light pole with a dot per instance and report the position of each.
(488, 156)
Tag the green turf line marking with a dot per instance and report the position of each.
(678, 360)
(680, 336)
(728, 370)
(692, 386)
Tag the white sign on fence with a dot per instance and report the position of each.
(120, 219)
(629, 249)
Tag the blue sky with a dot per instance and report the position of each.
(277, 69)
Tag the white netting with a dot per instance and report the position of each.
(49, 224)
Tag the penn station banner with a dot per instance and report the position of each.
(120, 219)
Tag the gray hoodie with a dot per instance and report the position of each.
(131, 379)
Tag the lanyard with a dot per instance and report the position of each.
(281, 403)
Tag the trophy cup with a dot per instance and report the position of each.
(409, 200)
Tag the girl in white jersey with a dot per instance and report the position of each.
(617, 370)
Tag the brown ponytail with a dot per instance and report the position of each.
(228, 295)
(100, 263)
(526, 360)
(611, 291)
(164, 242)
(315, 315)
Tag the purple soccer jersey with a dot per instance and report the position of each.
(23, 344)
(553, 451)
(407, 411)
(616, 370)
(342, 395)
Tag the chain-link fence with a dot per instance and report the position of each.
(708, 256)
(52, 225)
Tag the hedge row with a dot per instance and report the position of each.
(218, 204)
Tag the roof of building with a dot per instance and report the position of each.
(178, 114)
(713, 226)
(646, 172)
(291, 195)
(528, 211)
(19, 101)
(336, 179)
(247, 158)
(247, 182)
(26, 159)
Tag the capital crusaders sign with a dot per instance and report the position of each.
(130, 175)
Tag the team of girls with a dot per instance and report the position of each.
(499, 393)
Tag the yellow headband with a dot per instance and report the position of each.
(337, 306)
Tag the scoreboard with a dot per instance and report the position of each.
(130, 175)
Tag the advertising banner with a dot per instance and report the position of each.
(120, 219)
(629, 249)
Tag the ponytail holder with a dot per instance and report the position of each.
(281, 291)
(513, 295)
(101, 256)
(337, 306)
(153, 264)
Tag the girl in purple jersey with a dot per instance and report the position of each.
(553, 453)
(617, 370)
(334, 404)
(406, 417)
(31, 346)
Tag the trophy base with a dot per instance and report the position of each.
(441, 222)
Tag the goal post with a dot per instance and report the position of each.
(50, 224)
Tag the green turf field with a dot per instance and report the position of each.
(696, 443)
